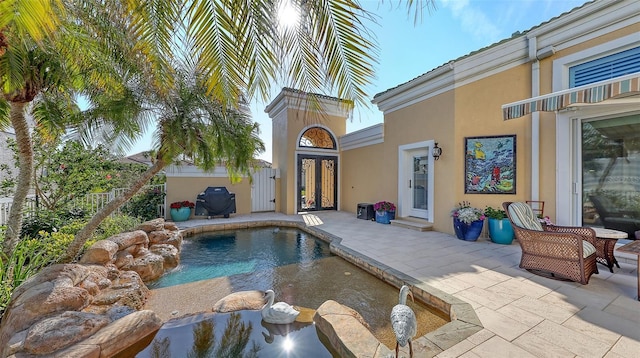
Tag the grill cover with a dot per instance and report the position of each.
(215, 200)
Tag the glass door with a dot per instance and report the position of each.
(317, 182)
(610, 151)
(418, 183)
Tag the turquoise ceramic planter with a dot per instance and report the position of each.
(181, 214)
(500, 231)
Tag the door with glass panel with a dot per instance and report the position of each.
(610, 173)
(418, 185)
(317, 182)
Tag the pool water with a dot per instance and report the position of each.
(229, 253)
(297, 266)
(236, 334)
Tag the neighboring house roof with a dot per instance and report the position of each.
(472, 53)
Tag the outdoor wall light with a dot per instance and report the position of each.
(436, 151)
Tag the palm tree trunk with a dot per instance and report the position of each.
(83, 235)
(25, 161)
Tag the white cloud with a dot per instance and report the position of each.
(473, 20)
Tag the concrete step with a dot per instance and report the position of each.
(413, 224)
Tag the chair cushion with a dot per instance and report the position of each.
(587, 249)
(522, 216)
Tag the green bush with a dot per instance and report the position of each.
(28, 258)
(145, 205)
(42, 220)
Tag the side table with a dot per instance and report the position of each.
(633, 248)
(605, 243)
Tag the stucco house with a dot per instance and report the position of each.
(551, 114)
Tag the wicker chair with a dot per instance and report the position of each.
(558, 252)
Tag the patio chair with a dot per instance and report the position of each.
(611, 218)
(566, 253)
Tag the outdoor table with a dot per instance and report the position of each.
(633, 248)
(605, 243)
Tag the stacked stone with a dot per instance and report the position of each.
(92, 308)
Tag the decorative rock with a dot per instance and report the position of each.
(124, 260)
(126, 290)
(131, 238)
(158, 237)
(46, 336)
(76, 273)
(118, 336)
(63, 304)
(171, 226)
(149, 266)
(152, 225)
(174, 239)
(169, 253)
(101, 252)
(345, 332)
(243, 300)
(40, 301)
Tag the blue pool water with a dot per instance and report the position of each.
(228, 253)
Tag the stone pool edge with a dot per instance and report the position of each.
(463, 320)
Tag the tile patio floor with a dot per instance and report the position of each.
(523, 315)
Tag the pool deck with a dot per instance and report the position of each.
(523, 315)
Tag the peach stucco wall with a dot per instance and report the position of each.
(188, 188)
(285, 156)
(362, 176)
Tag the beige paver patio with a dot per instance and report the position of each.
(523, 315)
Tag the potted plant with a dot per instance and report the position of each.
(385, 212)
(181, 210)
(467, 221)
(500, 230)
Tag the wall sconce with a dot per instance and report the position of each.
(436, 151)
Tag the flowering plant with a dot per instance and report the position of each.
(467, 214)
(182, 204)
(384, 206)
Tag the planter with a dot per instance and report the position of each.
(500, 231)
(385, 217)
(181, 214)
(468, 232)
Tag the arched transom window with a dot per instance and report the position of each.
(317, 137)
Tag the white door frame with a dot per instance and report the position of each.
(405, 169)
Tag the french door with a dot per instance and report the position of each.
(317, 182)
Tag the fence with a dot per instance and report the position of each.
(91, 202)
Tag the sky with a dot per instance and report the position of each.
(407, 49)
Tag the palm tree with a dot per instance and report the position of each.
(240, 46)
(40, 57)
(189, 122)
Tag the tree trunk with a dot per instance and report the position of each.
(25, 161)
(83, 235)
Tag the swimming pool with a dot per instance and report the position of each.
(229, 253)
(295, 264)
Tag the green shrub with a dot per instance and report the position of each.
(145, 205)
(42, 220)
(115, 225)
(493, 213)
(28, 258)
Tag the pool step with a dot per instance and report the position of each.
(413, 224)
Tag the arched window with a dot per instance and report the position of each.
(316, 137)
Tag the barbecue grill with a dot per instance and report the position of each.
(215, 201)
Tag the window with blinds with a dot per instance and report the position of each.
(618, 64)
